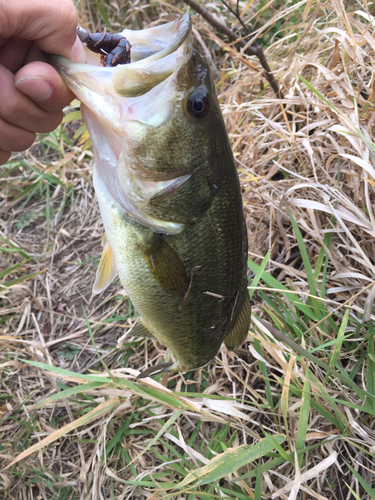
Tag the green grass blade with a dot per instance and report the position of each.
(369, 144)
(303, 250)
(275, 462)
(288, 457)
(339, 339)
(228, 462)
(93, 343)
(362, 482)
(353, 492)
(48, 207)
(271, 282)
(103, 12)
(303, 416)
(164, 428)
(341, 376)
(258, 274)
(319, 307)
(263, 369)
(78, 389)
(21, 279)
(66, 373)
(119, 436)
(333, 402)
(12, 268)
(14, 249)
(258, 483)
(70, 117)
(321, 409)
(97, 412)
(371, 366)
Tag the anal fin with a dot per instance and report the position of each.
(239, 331)
(106, 271)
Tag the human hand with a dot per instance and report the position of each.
(32, 93)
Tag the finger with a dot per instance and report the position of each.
(52, 25)
(4, 156)
(34, 54)
(13, 138)
(19, 110)
(41, 82)
(13, 53)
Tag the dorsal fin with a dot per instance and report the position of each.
(238, 333)
(107, 270)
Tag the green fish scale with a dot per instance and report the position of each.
(216, 242)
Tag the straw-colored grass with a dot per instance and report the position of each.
(289, 415)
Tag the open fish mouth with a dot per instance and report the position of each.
(121, 103)
(156, 53)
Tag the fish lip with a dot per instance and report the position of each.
(182, 28)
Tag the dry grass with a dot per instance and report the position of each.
(307, 170)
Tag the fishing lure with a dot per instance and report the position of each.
(114, 49)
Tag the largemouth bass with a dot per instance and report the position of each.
(169, 194)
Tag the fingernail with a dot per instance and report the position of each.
(78, 52)
(35, 87)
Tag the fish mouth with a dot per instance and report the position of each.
(121, 102)
(156, 53)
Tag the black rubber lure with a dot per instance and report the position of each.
(114, 49)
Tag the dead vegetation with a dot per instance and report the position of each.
(272, 420)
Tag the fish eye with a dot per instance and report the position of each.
(197, 104)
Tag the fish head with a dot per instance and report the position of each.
(153, 122)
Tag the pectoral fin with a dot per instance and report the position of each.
(165, 266)
(238, 333)
(156, 370)
(106, 271)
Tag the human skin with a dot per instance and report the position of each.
(32, 93)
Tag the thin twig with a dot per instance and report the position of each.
(254, 50)
(189, 287)
(237, 16)
(222, 28)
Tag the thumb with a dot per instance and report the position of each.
(51, 25)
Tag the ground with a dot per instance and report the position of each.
(290, 413)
